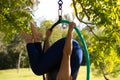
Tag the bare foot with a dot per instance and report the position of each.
(27, 37)
(37, 36)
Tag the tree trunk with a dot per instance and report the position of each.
(19, 60)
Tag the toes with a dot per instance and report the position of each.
(27, 37)
(32, 27)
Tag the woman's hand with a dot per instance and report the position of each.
(27, 37)
(48, 34)
(37, 36)
(71, 26)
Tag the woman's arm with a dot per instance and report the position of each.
(47, 43)
(65, 68)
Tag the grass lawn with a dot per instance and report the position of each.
(27, 74)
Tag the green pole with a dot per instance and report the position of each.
(84, 46)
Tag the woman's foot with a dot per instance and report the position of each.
(71, 26)
(27, 37)
(37, 36)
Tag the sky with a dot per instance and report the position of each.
(48, 9)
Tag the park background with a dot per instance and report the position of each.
(98, 21)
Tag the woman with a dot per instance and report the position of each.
(61, 61)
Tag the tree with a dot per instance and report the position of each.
(102, 20)
(14, 16)
(9, 54)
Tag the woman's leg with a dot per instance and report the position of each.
(65, 67)
(34, 55)
(34, 51)
(75, 61)
(64, 72)
(50, 60)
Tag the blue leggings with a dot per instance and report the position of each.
(50, 61)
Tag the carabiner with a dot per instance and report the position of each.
(60, 2)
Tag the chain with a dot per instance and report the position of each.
(60, 2)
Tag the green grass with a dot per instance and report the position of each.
(27, 74)
(24, 74)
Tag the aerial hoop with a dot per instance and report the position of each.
(86, 53)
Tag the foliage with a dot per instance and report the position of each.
(102, 20)
(8, 60)
(9, 54)
(14, 16)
